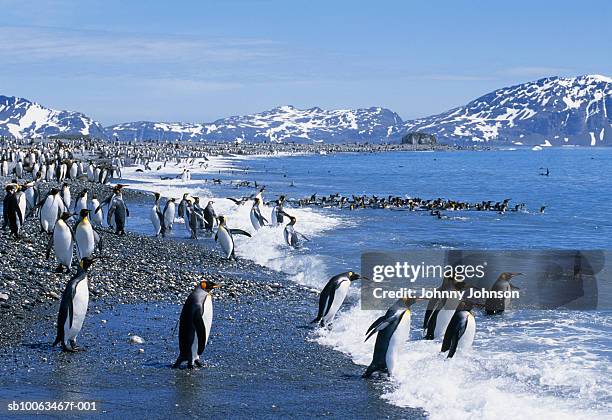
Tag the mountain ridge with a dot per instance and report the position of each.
(549, 111)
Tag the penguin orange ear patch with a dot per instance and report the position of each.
(203, 284)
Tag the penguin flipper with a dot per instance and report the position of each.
(239, 232)
(378, 325)
(201, 330)
(454, 331)
(71, 294)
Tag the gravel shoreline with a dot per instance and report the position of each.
(135, 268)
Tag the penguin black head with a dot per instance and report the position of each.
(172, 199)
(84, 213)
(222, 220)
(208, 285)
(409, 301)
(353, 276)
(86, 263)
(157, 195)
(54, 191)
(507, 276)
(65, 216)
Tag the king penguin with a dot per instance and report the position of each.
(393, 330)
(502, 284)
(257, 220)
(225, 238)
(195, 324)
(62, 243)
(332, 296)
(73, 308)
(444, 311)
(85, 235)
(52, 207)
(461, 330)
(169, 210)
(157, 218)
(209, 217)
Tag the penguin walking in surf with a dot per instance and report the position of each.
(257, 219)
(393, 330)
(62, 242)
(461, 330)
(276, 217)
(332, 296)
(443, 311)
(225, 238)
(195, 324)
(293, 238)
(502, 284)
(73, 308)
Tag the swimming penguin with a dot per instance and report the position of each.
(460, 331)
(62, 243)
(209, 216)
(225, 238)
(52, 207)
(157, 218)
(73, 308)
(257, 220)
(502, 284)
(277, 212)
(393, 330)
(195, 324)
(443, 312)
(332, 296)
(169, 210)
(85, 236)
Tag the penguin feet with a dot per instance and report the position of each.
(198, 363)
(67, 349)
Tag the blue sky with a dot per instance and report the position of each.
(202, 60)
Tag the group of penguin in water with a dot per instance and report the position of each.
(451, 321)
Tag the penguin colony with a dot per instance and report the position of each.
(71, 227)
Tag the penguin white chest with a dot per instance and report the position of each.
(339, 296)
(85, 239)
(444, 317)
(254, 215)
(226, 242)
(397, 340)
(155, 220)
(62, 243)
(467, 339)
(80, 303)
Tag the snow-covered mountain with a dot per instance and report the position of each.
(553, 111)
(282, 124)
(21, 118)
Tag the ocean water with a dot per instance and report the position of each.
(545, 364)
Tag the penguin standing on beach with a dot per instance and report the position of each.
(117, 213)
(157, 218)
(81, 201)
(52, 207)
(95, 212)
(225, 238)
(332, 296)
(62, 243)
(169, 210)
(85, 236)
(393, 329)
(66, 195)
(502, 284)
(14, 209)
(461, 330)
(73, 308)
(209, 217)
(195, 324)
